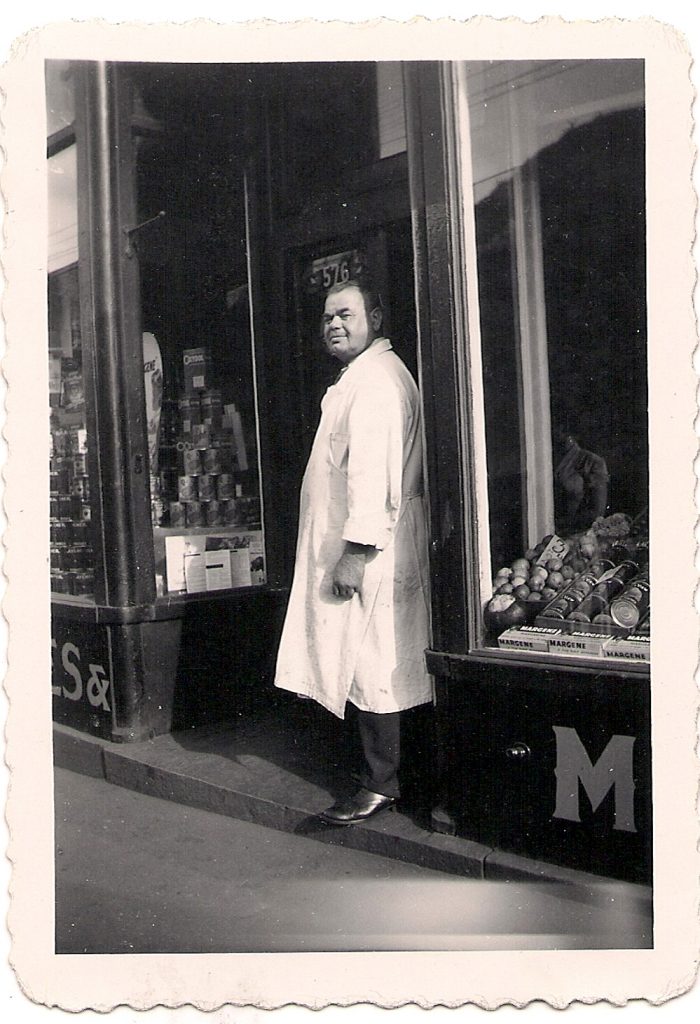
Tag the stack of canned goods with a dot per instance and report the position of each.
(71, 551)
(596, 605)
(201, 408)
(202, 491)
(606, 596)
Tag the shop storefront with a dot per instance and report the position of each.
(198, 214)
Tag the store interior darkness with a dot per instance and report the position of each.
(592, 196)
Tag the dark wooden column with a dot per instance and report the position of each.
(111, 328)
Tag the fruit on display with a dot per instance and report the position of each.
(538, 576)
(617, 526)
(503, 611)
(617, 537)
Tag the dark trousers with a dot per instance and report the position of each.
(380, 740)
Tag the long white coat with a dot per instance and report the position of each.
(363, 483)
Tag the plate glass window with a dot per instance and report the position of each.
(558, 156)
(72, 547)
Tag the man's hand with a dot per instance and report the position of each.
(350, 570)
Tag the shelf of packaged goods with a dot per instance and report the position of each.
(460, 666)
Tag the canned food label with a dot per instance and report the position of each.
(194, 513)
(177, 514)
(214, 514)
(186, 488)
(207, 487)
(192, 462)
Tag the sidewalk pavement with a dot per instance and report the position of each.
(267, 775)
(136, 874)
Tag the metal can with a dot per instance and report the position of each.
(57, 560)
(60, 442)
(58, 582)
(187, 488)
(609, 585)
(212, 407)
(214, 514)
(613, 581)
(177, 514)
(229, 512)
(70, 559)
(158, 512)
(78, 557)
(643, 627)
(190, 412)
(61, 483)
(58, 532)
(225, 487)
(83, 583)
(594, 604)
(86, 514)
(80, 464)
(201, 436)
(77, 444)
(207, 487)
(65, 506)
(212, 460)
(194, 513)
(633, 604)
(192, 461)
(80, 532)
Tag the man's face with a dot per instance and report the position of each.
(347, 330)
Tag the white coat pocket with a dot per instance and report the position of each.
(338, 451)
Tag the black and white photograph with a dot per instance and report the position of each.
(350, 369)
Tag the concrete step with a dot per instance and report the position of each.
(226, 771)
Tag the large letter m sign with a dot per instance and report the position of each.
(613, 769)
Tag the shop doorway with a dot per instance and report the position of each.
(253, 232)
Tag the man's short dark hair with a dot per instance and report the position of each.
(371, 297)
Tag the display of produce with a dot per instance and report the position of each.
(594, 585)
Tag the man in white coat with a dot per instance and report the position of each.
(357, 623)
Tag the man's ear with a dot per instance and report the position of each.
(375, 318)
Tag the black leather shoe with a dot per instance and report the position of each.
(357, 808)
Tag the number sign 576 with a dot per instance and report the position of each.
(335, 272)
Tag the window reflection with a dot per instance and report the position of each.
(63, 209)
(60, 99)
(558, 157)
